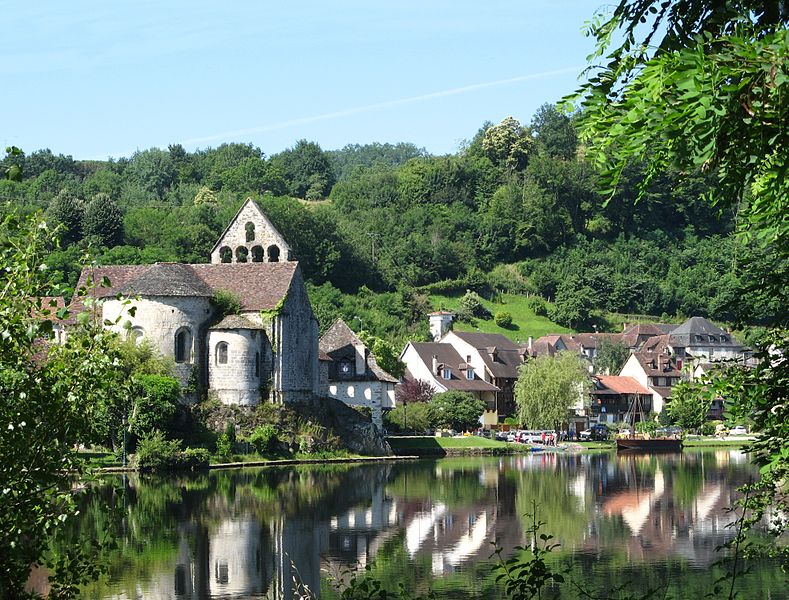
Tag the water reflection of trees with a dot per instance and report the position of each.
(423, 523)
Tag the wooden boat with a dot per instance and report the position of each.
(633, 444)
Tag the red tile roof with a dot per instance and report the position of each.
(621, 384)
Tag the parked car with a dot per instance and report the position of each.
(530, 437)
(597, 432)
(511, 437)
(738, 430)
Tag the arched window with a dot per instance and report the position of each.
(273, 253)
(221, 353)
(250, 229)
(241, 254)
(136, 334)
(183, 345)
(257, 253)
(225, 254)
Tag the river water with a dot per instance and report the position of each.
(642, 521)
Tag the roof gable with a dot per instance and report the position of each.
(251, 212)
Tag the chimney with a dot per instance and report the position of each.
(435, 364)
(624, 326)
(361, 362)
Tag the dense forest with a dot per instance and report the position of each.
(378, 227)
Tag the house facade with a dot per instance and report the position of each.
(495, 359)
(351, 374)
(268, 350)
(440, 365)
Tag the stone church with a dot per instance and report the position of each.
(268, 350)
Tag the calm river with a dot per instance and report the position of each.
(653, 521)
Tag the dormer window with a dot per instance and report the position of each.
(446, 373)
(469, 373)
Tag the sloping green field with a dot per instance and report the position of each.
(524, 322)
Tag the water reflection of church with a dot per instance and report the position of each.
(228, 548)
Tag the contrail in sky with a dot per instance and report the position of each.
(379, 105)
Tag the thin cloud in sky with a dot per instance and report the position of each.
(378, 106)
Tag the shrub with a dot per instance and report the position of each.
(226, 303)
(455, 410)
(264, 439)
(230, 432)
(471, 307)
(195, 458)
(708, 427)
(223, 447)
(156, 405)
(503, 319)
(537, 305)
(410, 417)
(649, 427)
(155, 453)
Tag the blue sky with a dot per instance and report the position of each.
(98, 78)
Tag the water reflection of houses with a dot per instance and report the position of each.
(451, 534)
(659, 513)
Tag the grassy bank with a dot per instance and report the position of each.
(433, 446)
(524, 322)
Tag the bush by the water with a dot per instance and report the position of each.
(157, 453)
(264, 439)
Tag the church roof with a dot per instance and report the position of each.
(166, 279)
(237, 322)
(259, 286)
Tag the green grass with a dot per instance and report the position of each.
(422, 443)
(524, 322)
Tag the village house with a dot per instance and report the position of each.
(268, 350)
(656, 369)
(495, 359)
(350, 373)
(614, 397)
(440, 365)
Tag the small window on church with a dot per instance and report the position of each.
(241, 254)
(221, 353)
(273, 253)
(257, 253)
(225, 254)
(183, 345)
(250, 228)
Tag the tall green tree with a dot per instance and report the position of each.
(701, 83)
(307, 169)
(611, 356)
(68, 210)
(103, 220)
(548, 386)
(688, 406)
(48, 392)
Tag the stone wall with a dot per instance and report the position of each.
(239, 380)
(295, 342)
(371, 394)
(159, 319)
(266, 245)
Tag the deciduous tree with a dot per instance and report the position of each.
(548, 386)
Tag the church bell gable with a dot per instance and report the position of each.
(250, 237)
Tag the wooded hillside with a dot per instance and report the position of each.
(380, 227)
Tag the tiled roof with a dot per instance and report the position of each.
(166, 279)
(620, 385)
(340, 341)
(259, 286)
(507, 360)
(651, 363)
(700, 331)
(448, 356)
(636, 335)
(237, 322)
